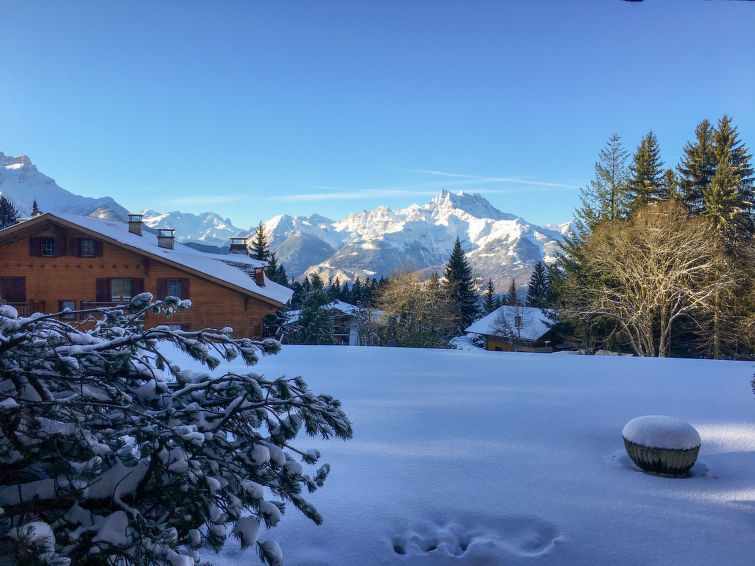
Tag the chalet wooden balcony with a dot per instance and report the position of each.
(28, 307)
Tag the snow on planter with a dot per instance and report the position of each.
(661, 445)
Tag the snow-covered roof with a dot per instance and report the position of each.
(533, 322)
(346, 308)
(211, 265)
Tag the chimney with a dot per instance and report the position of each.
(135, 224)
(166, 237)
(238, 246)
(259, 275)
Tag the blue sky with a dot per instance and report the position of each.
(252, 109)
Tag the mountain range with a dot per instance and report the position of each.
(499, 245)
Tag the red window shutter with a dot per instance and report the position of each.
(35, 247)
(162, 288)
(137, 286)
(74, 247)
(184, 288)
(97, 248)
(103, 290)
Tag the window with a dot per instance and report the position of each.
(174, 288)
(86, 248)
(70, 305)
(48, 247)
(120, 290)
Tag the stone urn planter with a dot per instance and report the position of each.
(661, 445)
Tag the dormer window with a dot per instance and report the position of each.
(48, 247)
(86, 248)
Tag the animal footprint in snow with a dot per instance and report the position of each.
(447, 540)
(520, 536)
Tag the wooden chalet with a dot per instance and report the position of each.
(56, 261)
(515, 328)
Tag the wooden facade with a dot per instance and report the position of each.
(47, 265)
(504, 344)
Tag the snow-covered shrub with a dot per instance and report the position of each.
(111, 454)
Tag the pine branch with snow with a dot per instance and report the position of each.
(111, 453)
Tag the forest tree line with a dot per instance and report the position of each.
(659, 262)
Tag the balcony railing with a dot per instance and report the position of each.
(29, 307)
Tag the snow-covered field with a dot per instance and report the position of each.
(492, 458)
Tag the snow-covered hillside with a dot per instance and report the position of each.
(474, 458)
(22, 184)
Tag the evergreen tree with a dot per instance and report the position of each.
(511, 297)
(334, 289)
(276, 272)
(723, 202)
(604, 198)
(697, 167)
(125, 458)
(298, 297)
(275, 323)
(645, 184)
(730, 203)
(345, 294)
(281, 277)
(356, 292)
(368, 292)
(272, 268)
(537, 291)
(8, 213)
(460, 287)
(489, 302)
(35, 209)
(315, 324)
(671, 185)
(260, 247)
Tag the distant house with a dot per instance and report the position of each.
(517, 328)
(56, 261)
(349, 323)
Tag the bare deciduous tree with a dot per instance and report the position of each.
(416, 313)
(649, 271)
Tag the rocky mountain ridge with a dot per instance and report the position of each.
(499, 245)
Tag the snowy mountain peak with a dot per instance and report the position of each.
(500, 246)
(22, 184)
(473, 204)
(10, 162)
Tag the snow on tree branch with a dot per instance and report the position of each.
(111, 453)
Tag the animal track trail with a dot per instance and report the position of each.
(519, 536)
